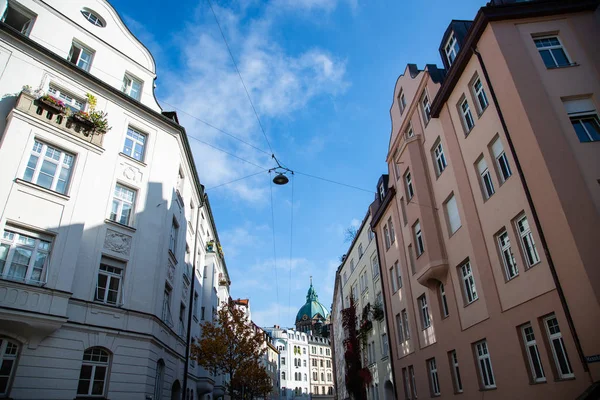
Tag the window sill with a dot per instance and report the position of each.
(488, 389)
(41, 189)
(454, 233)
(564, 66)
(143, 164)
(115, 223)
(23, 281)
(468, 304)
(468, 132)
(572, 378)
(479, 114)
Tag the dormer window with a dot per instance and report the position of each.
(81, 56)
(451, 49)
(93, 18)
(381, 192)
(18, 17)
(132, 86)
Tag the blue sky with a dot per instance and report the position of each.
(321, 74)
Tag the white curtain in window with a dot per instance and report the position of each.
(497, 148)
(452, 211)
(481, 165)
(579, 106)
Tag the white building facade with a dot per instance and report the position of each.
(108, 248)
(293, 361)
(321, 367)
(359, 276)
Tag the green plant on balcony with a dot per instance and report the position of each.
(210, 246)
(95, 122)
(52, 103)
(377, 311)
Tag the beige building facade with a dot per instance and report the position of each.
(490, 270)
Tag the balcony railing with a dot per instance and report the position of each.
(32, 107)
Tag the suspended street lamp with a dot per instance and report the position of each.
(281, 171)
(280, 179)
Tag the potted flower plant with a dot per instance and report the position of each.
(210, 246)
(92, 121)
(52, 104)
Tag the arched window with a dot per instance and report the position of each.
(8, 358)
(159, 379)
(283, 375)
(305, 378)
(93, 18)
(94, 372)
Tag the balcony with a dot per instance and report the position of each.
(31, 106)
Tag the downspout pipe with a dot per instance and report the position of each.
(191, 304)
(559, 289)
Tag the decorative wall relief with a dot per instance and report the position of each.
(171, 272)
(117, 242)
(131, 173)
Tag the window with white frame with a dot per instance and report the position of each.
(403, 209)
(386, 235)
(451, 209)
(9, 350)
(166, 309)
(557, 344)
(375, 266)
(467, 117)
(81, 56)
(381, 192)
(401, 102)
(181, 319)
(370, 234)
(132, 86)
(71, 101)
(352, 266)
(345, 277)
(135, 144)
(584, 118)
(93, 18)
(413, 381)
(363, 281)
(94, 372)
(533, 354)
(110, 276)
(455, 372)
(419, 238)
(408, 133)
(479, 93)
(406, 379)
(527, 243)
(360, 250)
(122, 205)
(195, 305)
(18, 17)
(508, 259)
(400, 329)
(502, 164)
(405, 324)
(485, 365)
(552, 51)
(468, 283)
(433, 377)
(451, 48)
(392, 232)
(49, 167)
(24, 255)
(384, 345)
(487, 186)
(443, 300)
(425, 319)
(393, 280)
(174, 237)
(396, 168)
(439, 158)
(426, 108)
(409, 186)
(398, 274)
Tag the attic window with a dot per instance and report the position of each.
(451, 49)
(93, 18)
(18, 17)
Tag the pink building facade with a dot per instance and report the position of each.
(488, 222)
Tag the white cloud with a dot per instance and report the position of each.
(274, 314)
(315, 5)
(355, 223)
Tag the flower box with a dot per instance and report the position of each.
(51, 104)
(80, 118)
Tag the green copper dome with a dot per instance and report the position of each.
(312, 306)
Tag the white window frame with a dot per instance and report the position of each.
(375, 266)
(444, 301)
(174, 237)
(405, 324)
(532, 351)
(43, 153)
(424, 307)
(112, 270)
(386, 235)
(484, 363)
(549, 48)
(452, 214)
(84, 64)
(502, 164)
(401, 102)
(426, 108)
(407, 388)
(409, 132)
(392, 232)
(410, 191)
(555, 339)
(93, 18)
(128, 86)
(25, 12)
(398, 274)
(530, 252)
(9, 351)
(413, 383)
(166, 306)
(400, 329)
(433, 376)
(439, 157)
(73, 102)
(381, 192)
(469, 289)
(384, 345)
(195, 305)
(466, 115)
(393, 280)
(14, 241)
(134, 145)
(420, 244)
(508, 259)
(487, 184)
(451, 49)
(479, 93)
(455, 372)
(120, 202)
(95, 361)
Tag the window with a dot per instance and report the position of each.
(384, 345)
(396, 166)
(468, 283)
(360, 250)
(370, 234)
(439, 157)
(501, 161)
(24, 255)
(72, 102)
(479, 92)
(392, 233)
(363, 282)
(94, 372)
(455, 372)
(132, 86)
(18, 17)
(315, 376)
(393, 280)
(283, 376)
(401, 102)
(110, 275)
(409, 187)
(552, 52)
(486, 179)
(386, 234)
(49, 167)
(443, 300)
(508, 259)
(95, 20)
(195, 305)
(485, 365)
(409, 132)
(527, 242)
(122, 205)
(403, 208)
(452, 214)
(202, 313)
(304, 362)
(411, 257)
(559, 352)
(8, 359)
(467, 117)
(426, 108)
(159, 379)
(398, 274)
(584, 119)
(375, 264)
(173, 237)
(425, 320)
(400, 329)
(345, 277)
(181, 319)
(413, 383)
(352, 267)
(406, 379)
(81, 56)
(419, 238)
(451, 49)
(533, 355)
(135, 144)
(433, 377)
(166, 311)
(304, 352)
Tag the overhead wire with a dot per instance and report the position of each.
(226, 152)
(237, 180)
(335, 182)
